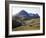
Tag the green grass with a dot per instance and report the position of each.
(34, 25)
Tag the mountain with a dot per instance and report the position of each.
(17, 19)
(34, 15)
(24, 14)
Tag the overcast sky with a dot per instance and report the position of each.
(34, 10)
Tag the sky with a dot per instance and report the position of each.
(17, 9)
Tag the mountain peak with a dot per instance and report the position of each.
(23, 12)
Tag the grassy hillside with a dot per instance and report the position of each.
(33, 24)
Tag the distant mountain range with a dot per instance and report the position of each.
(24, 14)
